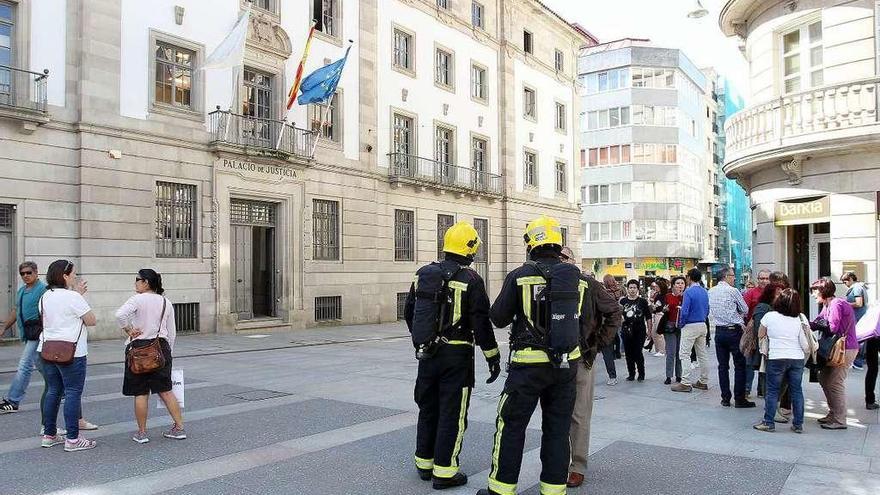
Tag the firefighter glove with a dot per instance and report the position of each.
(494, 363)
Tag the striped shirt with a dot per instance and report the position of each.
(726, 306)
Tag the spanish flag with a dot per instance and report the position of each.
(291, 97)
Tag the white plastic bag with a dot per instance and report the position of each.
(176, 387)
(869, 325)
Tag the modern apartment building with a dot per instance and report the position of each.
(806, 148)
(645, 160)
(127, 154)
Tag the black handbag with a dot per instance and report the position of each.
(32, 328)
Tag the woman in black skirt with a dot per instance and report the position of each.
(146, 316)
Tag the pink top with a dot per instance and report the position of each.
(143, 311)
(842, 319)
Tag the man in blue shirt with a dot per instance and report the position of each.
(692, 318)
(27, 308)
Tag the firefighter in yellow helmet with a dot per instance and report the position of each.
(447, 312)
(543, 300)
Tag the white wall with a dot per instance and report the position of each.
(550, 144)
(49, 45)
(424, 98)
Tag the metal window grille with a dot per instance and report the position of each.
(444, 68)
(7, 215)
(265, 4)
(174, 75)
(531, 172)
(481, 259)
(564, 232)
(402, 49)
(186, 317)
(443, 224)
(401, 304)
(328, 308)
(175, 220)
(246, 212)
(443, 4)
(324, 118)
(404, 235)
(560, 177)
(325, 229)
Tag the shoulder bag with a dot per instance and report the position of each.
(748, 343)
(148, 358)
(60, 352)
(32, 328)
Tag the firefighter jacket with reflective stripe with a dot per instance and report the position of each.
(469, 314)
(515, 304)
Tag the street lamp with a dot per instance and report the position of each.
(698, 11)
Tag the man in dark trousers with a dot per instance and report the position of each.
(603, 319)
(540, 311)
(446, 369)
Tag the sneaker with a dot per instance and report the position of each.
(701, 386)
(47, 441)
(826, 419)
(85, 425)
(780, 418)
(681, 387)
(140, 437)
(58, 431)
(667, 381)
(743, 404)
(631, 378)
(176, 432)
(611, 382)
(797, 428)
(659, 354)
(764, 427)
(872, 406)
(857, 367)
(80, 443)
(833, 426)
(641, 378)
(7, 407)
(725, 402)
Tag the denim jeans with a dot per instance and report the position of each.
(860, 357)
(69, 381)
(673, 340)
(25, 369)
(793, 371)
(727, 346)
(608, 357)
(750, 378)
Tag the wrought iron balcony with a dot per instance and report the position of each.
(262, 136)
(826, 117)
(424, 171)
(23, 89)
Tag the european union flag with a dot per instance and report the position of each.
(320, 85)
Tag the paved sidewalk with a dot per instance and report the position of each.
(296, 413)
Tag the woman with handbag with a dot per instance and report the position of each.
(670, 329)
(63, 348)
(784, 329)
(657, 299)
(832, 377)
(148, 320)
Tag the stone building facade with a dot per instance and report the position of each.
(129, 155)
(806, 147)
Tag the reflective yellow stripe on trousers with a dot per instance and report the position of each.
(450, 471)
(424, 463)
(548, 489)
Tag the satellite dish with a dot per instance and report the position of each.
(698, 11)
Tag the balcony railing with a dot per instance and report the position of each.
(261, 134)
(820, 110)
(433, 172)
(23, 89)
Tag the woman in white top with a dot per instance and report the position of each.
(146, 316)
(784, 329)
(65, 314)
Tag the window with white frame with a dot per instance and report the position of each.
(403, 50)
(404, 235)
(559, 61)
(404, 138)
(268, 5)
(530, 169)
(444, 140)
(561, 118)
(175, 220)
(479, 147)
(608, 193)
(174, 68)
(608, 231)
(646, 77)
(561, 180)
(478, 15)
(326, 13)
(609, 80)
(444, 222)
(481, 258)
(443, 68)
(479, 84)
(608, 118)
(326, 119)
(802, 58)
(325, 229)
(7, 23)
(654, 115)
(530, 103)
(609, 155)
(637, 153)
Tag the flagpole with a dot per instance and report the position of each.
(235, 75)
(323, 113)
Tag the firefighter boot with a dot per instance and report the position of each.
(444, 483)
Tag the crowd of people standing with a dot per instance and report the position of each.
(53, 318)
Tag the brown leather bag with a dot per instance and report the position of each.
(60, 352)
(148, 358)
(837, 356)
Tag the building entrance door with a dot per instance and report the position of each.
(253, 259)
(7, 259)
(809, 259)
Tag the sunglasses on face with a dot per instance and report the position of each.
(24, 274)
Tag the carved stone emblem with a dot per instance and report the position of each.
(794, 170)
(266, 35)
